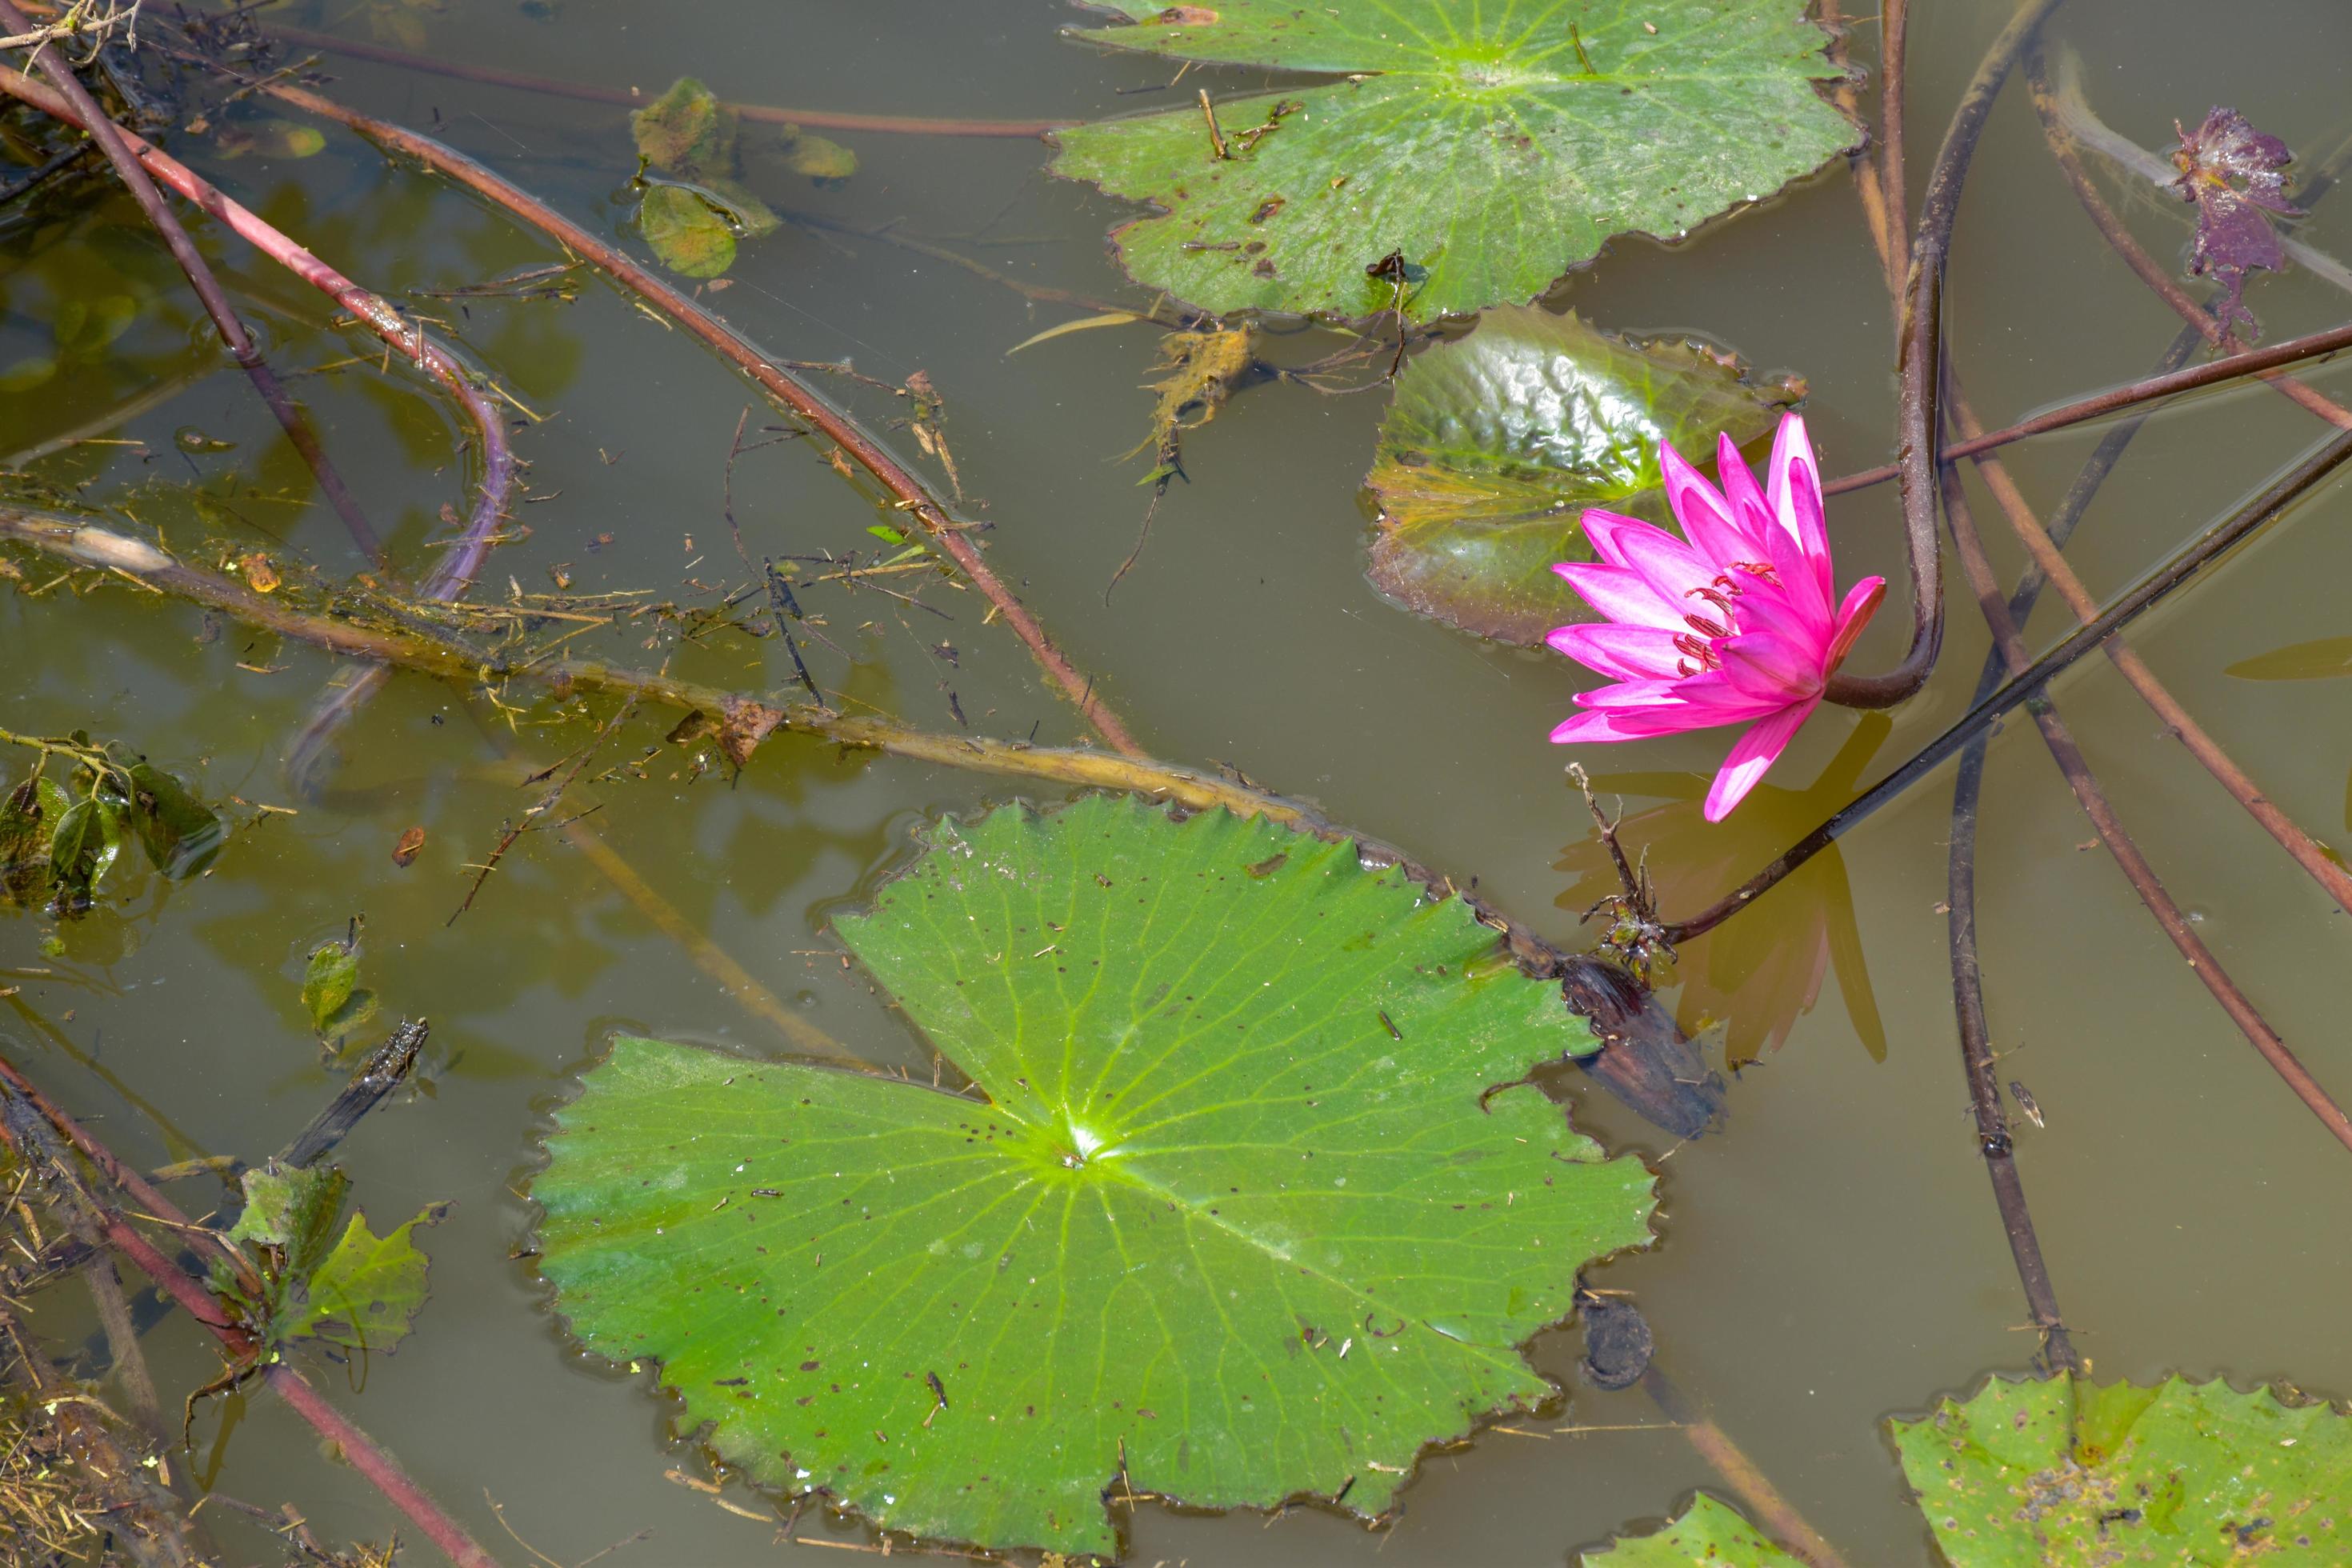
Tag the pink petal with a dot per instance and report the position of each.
(1801, 584)
(1696, 701)
(1862, 602)
(1749, 507)
(1707, 519)
(1621, 594)
(1622, 652)
(1619, 724)
(1793, 489)
(1759, 664)
(1752, 755)
(1673, 569)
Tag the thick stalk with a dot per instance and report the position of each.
(2176, 571)
(115, 144)
(1894, 28)
(1921, 374)
(914, 498)
(2177, 721)
(2120, 843)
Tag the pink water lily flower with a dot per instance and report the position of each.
(1739, 625)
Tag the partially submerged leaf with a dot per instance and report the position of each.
(29, 816)
(2065, 1473)
(1478, 142)
(368, 1291)
(82, 848)
(1231, 1202)
(687, 131)
(690, 238)
(330, 992)
(2231, 171)
(1710, 1533)
(181, 834)
(1496, 442)
(411, 845)
(827, 162)
(1201, 370)
(292, 1209)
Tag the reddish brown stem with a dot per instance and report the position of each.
(1893, 18)
(379, 1466)
(820, 119)
(113, 141)
(2127, 857)
(913, 497)
(2149, 389)
(2331, 877)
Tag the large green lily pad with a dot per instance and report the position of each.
(1227, 1211)
(1496, 443)
(2064, 1473)
(1477, 141)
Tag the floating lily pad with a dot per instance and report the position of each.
(1496, 443)
(1710, 1533)
(1496, 147)
(2065, 1472)
(1227, 1209)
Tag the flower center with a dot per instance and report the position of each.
(1720, 592)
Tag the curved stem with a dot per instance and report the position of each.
(1920, 368)
(2184, 565)
(114, 143)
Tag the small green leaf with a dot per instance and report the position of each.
(1231, 1200)
(292, 1209)
(1710, 1533)
(1477, 141)
(689, 238)
(885, 532)
(369, 1290)
(1496, 442)
(332, 993)
(2065, 1473)
(82, 848)
(181, 834)
(29, 816)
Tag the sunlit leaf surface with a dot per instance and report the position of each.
(1224, 1204)
(2064, 1472)
(1496, 443)
(1495, 146)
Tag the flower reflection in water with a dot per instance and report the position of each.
(1757, 975)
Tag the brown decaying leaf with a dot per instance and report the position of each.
(259, 573)
(411, 845)
(2231, 171)
(747, 724)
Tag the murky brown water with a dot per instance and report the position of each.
(1832, 1257)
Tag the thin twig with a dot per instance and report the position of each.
(546, 803)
